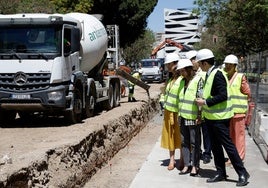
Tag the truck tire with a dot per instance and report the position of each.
(7, 117)
(75, 115)
(109, 104)
(90, 106)
(117, 94)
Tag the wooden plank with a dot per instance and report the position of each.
(132, 79)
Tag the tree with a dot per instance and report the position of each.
(25, 6)
(8, 6)
(139, 49)
(130, 15)
(33, 6)
(242, 25)
(66, 6)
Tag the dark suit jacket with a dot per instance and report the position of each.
(218, 90)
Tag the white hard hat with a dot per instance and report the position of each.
(232, 59)
(171, 57)
(204, 54)
(190, 54)
(122, 63)
(184, 63)
(140, 71)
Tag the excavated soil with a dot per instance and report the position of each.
(46, 152)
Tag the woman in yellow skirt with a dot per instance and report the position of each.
(171, 137)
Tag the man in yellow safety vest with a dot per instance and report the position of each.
(217, 112)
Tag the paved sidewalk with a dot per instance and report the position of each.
(154, 173)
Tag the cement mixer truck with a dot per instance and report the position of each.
(51, 64)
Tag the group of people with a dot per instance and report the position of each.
(201, 97)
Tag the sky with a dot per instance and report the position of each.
(156, 19)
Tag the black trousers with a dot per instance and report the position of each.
(220, 138)
(206, 140)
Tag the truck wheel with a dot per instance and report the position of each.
(116, 95)
(109, 104)
(75, 115)
(90, 106)
(7, 117)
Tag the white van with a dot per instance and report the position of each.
(153, 70)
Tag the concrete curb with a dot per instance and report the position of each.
(260, 133)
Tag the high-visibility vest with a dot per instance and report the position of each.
(221, 110)
(162, 98)
(202, 74)
(188, 108)
(239, 100)
(172, 95)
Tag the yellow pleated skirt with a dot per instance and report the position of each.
(171, 136)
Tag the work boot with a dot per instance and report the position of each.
(129, 99)
(133, 100)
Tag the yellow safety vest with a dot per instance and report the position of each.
(239, 100)
(162, 97)
(202, 74)
(188, 108)
(172, 95)
(221, 110)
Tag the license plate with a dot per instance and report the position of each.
(20, 96)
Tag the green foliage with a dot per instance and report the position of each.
(218, 47)
(25, 6)
(139, 49)
(8, 6)
(66, 6)
(33, 6)
(242, 26)
(130, 15)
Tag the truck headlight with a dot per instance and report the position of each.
(55, 95)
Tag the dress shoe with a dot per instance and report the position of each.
(196, 173)
(216, 178)
(183, 172)
(243, 180)
(206, 160)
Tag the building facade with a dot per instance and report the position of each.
(181, 26)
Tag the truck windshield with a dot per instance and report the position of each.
(149, 63)
(33, 40)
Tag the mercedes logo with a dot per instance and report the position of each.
(20, 78)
